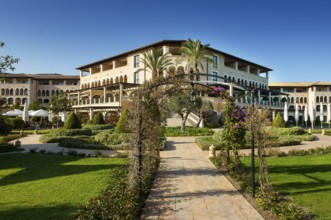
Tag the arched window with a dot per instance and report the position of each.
(88, 85)
(233, 79)
(125, 78)
(83, 86)
(238, 81)
(92, 84)
(250, 84)
(180, 70)
(242, 82)
(39, 93)
(297, 100)
(117, 98)
(17, 92)
(43, 93)
(325, 99)
(12, 92)
(107, 81)
(317, 99)
(330, 99)
(305, 100)
(26, 92)
(292, 99)
(47, 92)
(46, 101)
(245, 82)
(301, 100)
(116, 79)
(21, 91)
(3, 92)
(225, 78)
(7, 91)
(99, 83)
(318, 108)
(111, 81)
(103, 82)
(121, 78)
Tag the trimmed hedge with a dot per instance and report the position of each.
(44, 131)
(109, 139)
(205, 142)
(70, 132)
(73, 122)
(81, 143)
(189, 131)
(6, 148)
(289, 131)
(11, 137)
(98, 127)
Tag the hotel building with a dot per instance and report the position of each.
(306, 95)
(19, 88)
(106, 85)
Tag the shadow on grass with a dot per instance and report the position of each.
(40, 166)
(64, 211)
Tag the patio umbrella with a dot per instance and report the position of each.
(312, 114)
(329, 114)
(296, 114)
(285, 112)
(39, 113)
(15, 112)
(306, 115)
(321, 114)
(25, 115)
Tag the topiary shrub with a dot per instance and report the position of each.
(72, 122)
(98, 127)
(278, 121)
(98, 119)
(122, 124)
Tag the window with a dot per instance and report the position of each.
(214, 77)
(215, 61)
(136, 78)
(136, 61)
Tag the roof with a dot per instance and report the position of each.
(41, 76)
(167, 42)
(298, 84)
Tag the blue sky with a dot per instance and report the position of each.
(55, 36)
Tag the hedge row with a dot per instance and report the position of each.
(189, 131)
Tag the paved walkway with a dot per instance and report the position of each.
(32, 142)
(188, 186)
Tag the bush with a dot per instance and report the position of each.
(81, 143)
(118, 201)
(11, 137)
(278, 121)
(98, 119)
(5, 126)
(70, 132)
(98, 127)
(297, 152)
(6, 147)
(288, 141)
(189, 131)
(289, 131)
(122, 125)
(212, 125)
(17, 123)
(72, 122)
(205, 142)
(109, 139)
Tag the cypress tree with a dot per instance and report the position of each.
(98, 119)
(122, 124)
(72, 122)
(278, 121)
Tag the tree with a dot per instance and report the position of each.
(98, 119)
(34, 106)
(59, 103)
(122, 124)
(72, 122)
(182, 105)
(6, 62)
(15, 106)
(206, 109)
(156, 62)
(193, 52)
(278, 121)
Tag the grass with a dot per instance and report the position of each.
(306, 179)
(38, 186)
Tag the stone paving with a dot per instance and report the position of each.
(188, 186)
(32, 142)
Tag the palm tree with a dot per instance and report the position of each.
(193, 52)
(156, 62)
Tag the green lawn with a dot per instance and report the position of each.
(39, 186)
(307, 179)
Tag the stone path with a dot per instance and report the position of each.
(188, 186)
(32, 142)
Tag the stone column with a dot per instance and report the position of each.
(104, 94)
(270, 98)
(90, 96)
(258, 96)
(121, 92)
(78, 98)
(91, 114)
(231, 89)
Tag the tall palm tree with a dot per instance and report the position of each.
(193, 52)
(156, 62)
